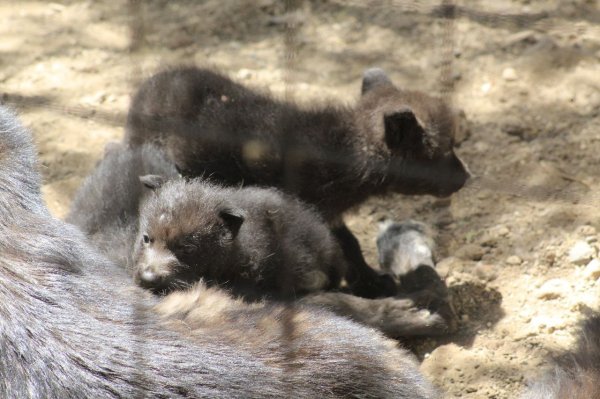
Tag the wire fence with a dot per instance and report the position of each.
(529, 86)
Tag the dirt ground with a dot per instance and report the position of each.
(519, 246)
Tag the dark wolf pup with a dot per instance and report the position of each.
(71, 326)
(334, 157)
(259, 242)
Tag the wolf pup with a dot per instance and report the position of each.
(257, 241)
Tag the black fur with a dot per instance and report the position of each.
(71, 326)
(333, 157)
(257, 241)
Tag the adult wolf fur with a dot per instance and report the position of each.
(73, 327)
(577, 374)
(334, 157)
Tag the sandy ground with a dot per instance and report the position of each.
(518, 247)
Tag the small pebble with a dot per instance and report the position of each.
(581, 253)
(503, 231)
(509, 74)
(514, 260)
(446, 265)
(553, 288)
(548, 323)
(471, 252)
(486, 87)
(592, 270)
(485, 271)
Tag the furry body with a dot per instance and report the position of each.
(333, 157)
(258, 241)
(72, 326)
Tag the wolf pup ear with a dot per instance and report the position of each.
(374, 77)
(233, 219)
(403, 131)
(152, 181)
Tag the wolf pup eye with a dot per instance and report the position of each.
(145, 239)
